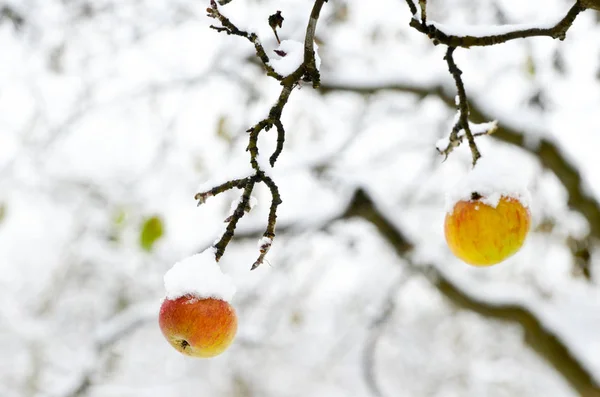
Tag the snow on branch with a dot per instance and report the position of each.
(447, 144)
(491, 35)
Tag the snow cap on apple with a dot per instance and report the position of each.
(488, 216)
(196, 316)
(199, 275)
(491, 179)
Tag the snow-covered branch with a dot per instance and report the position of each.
(492, 35)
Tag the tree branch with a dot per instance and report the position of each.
(228, 27)
(557, 31)
(307, 71)
(463, 107)
(309, 44)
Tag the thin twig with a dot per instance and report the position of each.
(456, 138)
(558, 31)
(269, 234)
(239, 212)
(236, 183)
(280, 142)
(463, 106)
(311, 71)
(228, 27)
(423, 5)
(411, 7)
(307, 71)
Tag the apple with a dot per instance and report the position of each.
(198, 327)
(483, 235)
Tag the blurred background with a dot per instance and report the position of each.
(113, 112)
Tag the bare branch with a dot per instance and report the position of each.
(458, 134)
(234, 219)
(236, 183)
(269, 234)
(307, 71)
(558, 31)
(310, 66)
(463, 106)
(423, 6)
(593, 4)
(228, 27)
(411, 7)
(280, 142)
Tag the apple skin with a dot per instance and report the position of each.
(482, 235)
(198, 327)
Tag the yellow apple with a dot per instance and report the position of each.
(198, 327)
(482, 235)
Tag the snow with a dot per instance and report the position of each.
(91, 293)
(199, 275)
(253, 202)
(293, 58)
(476, 129)
(491, 178)
(265, 243)
(444, 142)
(483, 128)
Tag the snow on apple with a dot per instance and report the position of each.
(199, 275)
(491, 179)
(488, 216)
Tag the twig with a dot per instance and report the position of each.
(269, 234)
(239, 212)
(558, 31)
(411, 7)
(280, 142)
(236, 183)
(228, 27)
(423, 5)
(456, 138)
(307, 71)
(463, 106)
(311, 71)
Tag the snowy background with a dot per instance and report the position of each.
(113, 112)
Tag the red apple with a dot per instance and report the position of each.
(198, 327)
